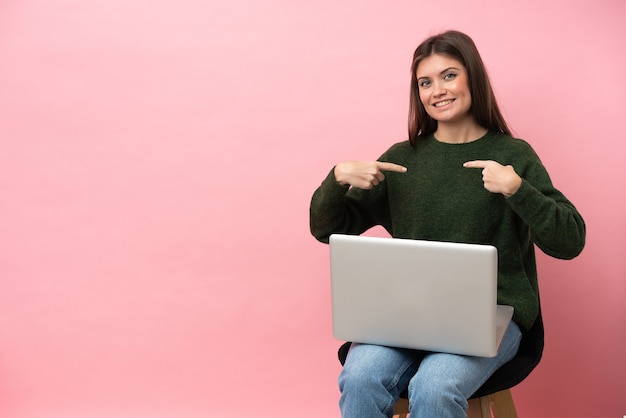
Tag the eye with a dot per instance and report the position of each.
(449, 76)
(423, 83)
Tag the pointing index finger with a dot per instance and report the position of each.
(383, 166)
(475, 164)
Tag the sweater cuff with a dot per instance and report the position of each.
(521, 194)
(331, 184)
(526, 201)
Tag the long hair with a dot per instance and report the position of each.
(484, 105)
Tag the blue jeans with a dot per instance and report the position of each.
(438, 384)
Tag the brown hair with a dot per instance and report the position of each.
(484, 105)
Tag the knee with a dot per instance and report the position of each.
(357, 380)
(433, 393)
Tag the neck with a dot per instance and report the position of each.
(459, 133)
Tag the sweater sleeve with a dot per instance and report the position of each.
(340, 209)
(555, 225)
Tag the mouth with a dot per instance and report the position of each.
(443, 103)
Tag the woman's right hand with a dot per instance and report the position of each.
(364, 174)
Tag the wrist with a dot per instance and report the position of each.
(515, 185)
(339, 178)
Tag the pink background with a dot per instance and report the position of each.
(156, 164)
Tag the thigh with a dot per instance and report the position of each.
(466, 373)
(393, 367)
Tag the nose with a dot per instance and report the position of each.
(439, 89)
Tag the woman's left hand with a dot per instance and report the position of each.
(497, 178)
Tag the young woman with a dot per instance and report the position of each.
(461, 177)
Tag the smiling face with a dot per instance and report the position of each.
(444, 90)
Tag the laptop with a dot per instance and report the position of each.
(427, 295)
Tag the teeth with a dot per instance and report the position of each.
(445, 102)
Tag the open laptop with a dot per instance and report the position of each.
(434, 296)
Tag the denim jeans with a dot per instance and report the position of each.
(373, 377)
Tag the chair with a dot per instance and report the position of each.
(494, 395)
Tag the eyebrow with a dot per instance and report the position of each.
(442, 72)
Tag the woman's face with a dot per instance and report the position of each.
(444, 89)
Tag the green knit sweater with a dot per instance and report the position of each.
(438, 199)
